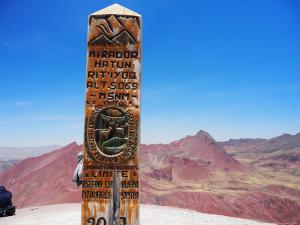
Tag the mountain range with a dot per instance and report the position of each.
(12, 155)
(19, 153)
(254, 179)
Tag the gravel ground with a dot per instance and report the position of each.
(69, 214)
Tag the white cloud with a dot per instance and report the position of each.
(76, 126)
(54, 117)
(23, 103)
(33, 41)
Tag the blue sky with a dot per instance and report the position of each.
(231, 68)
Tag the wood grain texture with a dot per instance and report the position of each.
(110, 189)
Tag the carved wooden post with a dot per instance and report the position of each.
(110, 188)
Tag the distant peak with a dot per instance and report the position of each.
(72, 144)
(205, 134)
(202, 132)
(286, 135)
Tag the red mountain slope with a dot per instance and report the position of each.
(200, 148)
(45, 179)
(194, 172)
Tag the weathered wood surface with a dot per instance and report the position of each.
(110, 188)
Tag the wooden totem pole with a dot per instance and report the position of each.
(110, 177)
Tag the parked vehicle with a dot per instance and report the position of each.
(6, 206)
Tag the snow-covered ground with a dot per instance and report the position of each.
(69, 214)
